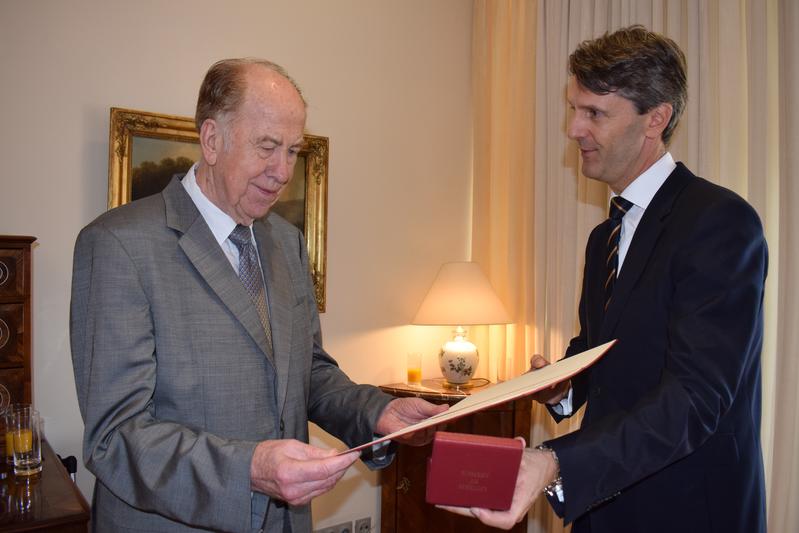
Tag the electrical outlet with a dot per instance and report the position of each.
(344, 527)
(363, 525)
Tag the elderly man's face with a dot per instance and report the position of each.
(256, 149)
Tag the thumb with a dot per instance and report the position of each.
(538, 361)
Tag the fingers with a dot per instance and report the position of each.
(418, 438)
(432, 409)
(403, 412)
(296, 472)
(413, 410)
(537, 361)
(332, 470)
(500, 519)
(463, 511)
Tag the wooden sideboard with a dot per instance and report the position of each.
(15, 316)
(48, 501)
(403, 508)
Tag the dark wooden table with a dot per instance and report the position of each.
(48, 501)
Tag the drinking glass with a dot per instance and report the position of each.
(8, 428)
(27, 430)
(414, 365)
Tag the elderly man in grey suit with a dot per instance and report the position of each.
(196, 342)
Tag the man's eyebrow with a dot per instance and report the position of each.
(267, 139)
(589, 107)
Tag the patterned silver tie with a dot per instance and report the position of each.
(618, 208)
(250, 275)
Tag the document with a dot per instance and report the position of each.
(506, 391)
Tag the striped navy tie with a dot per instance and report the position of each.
(618, 208)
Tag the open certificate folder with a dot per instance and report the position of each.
(506, 391)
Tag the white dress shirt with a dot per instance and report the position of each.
(220, 223)
(640, 192)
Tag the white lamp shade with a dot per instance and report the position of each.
(461, 295)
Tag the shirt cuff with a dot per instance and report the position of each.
(564, 408)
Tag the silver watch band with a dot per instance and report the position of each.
(556, 485)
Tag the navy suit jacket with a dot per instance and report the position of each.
(670, 439)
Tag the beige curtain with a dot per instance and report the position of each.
(784, 416)
(533, 210)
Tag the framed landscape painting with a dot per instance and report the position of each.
(146, 150)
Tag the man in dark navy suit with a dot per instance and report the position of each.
(670, 438)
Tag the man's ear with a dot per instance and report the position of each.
(211, 140)
(659, 117)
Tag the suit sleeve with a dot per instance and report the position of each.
(342, 408)
(714, 333)
(153, 465)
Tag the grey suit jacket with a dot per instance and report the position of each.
(173, 379)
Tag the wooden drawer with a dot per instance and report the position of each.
(12, 273)
(13, 379)
(12, 333)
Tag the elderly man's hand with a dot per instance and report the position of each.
(536, 471)
(404, 412)
(551, 395)
(296, 472)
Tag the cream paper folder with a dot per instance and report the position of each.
(506, 391)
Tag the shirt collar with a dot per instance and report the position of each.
(221, 223)
(643, 188)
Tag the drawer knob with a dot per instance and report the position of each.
(404, 485)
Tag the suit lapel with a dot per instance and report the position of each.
(201, 248)
(278, 284)
(646, 237)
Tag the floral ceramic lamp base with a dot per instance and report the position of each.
(458, 359)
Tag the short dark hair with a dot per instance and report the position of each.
(645, 67)
(223, 88)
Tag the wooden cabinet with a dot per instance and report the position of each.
(403, 508)
(15, 316)
(48, 501)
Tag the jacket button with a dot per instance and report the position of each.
(282, 425)
(596, 391)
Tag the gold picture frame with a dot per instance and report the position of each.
(173, 144)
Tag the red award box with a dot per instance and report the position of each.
(473, 470)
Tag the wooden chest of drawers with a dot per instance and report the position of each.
(15, 316)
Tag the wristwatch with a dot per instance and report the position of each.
(556, 485)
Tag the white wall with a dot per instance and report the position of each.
(387, 81)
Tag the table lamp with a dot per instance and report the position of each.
(461, 295)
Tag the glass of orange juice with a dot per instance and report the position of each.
(27, 438)
(8, 419)
(414, 365)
